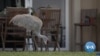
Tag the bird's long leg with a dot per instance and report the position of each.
(41, 41)
(46, 47)
(35, 46)
(27, 39)
(56, 44)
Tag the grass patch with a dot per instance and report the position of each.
(46, 54)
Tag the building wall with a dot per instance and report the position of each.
(98, 5)
(76, 6)
(98, 23)
(88, 4)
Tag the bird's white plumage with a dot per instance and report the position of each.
(29, 22)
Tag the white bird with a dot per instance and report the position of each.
(30, 22)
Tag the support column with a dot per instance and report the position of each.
(67, 13)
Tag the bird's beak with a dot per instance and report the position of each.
(45, 42)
